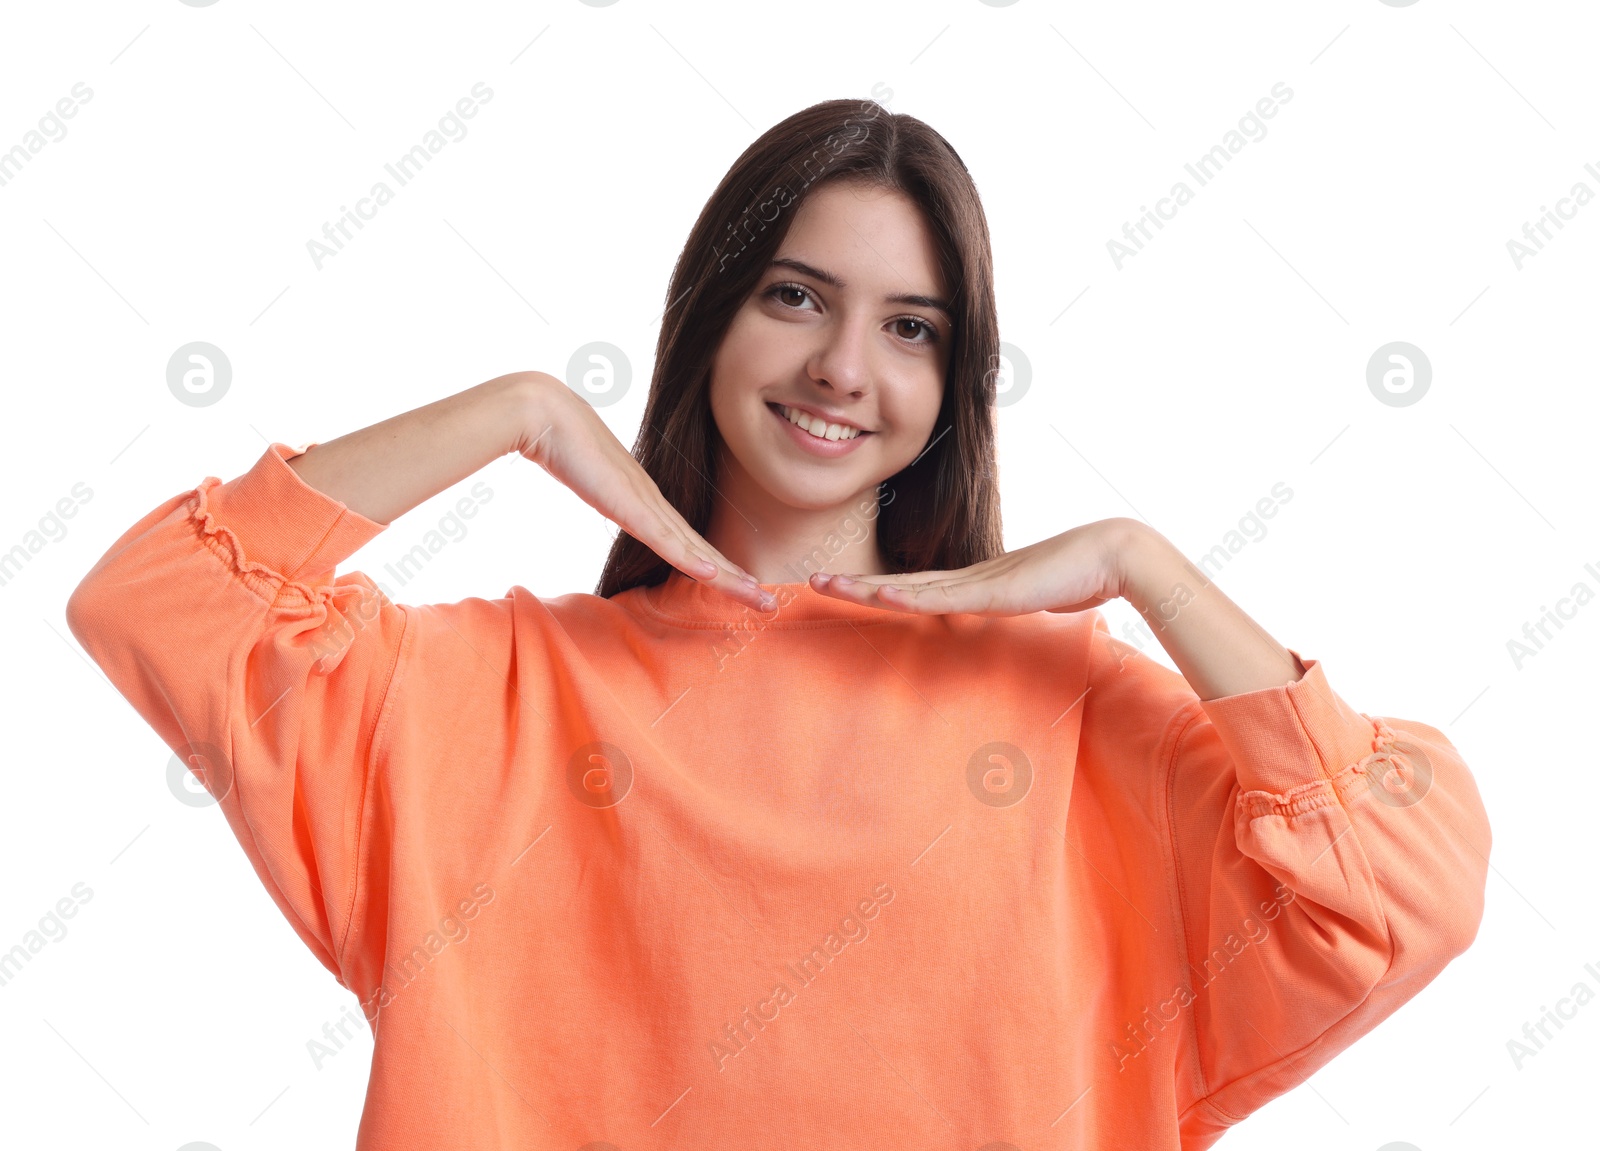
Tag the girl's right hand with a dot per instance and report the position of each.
(568, 439)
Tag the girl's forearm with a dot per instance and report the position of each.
(1219, 649)
(385, 470)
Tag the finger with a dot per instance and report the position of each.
(614, 483)
(657, 525)
(908, 577)
(974, 595)
(1082, 605)
(734, 581)
(631, 499)
(880, 594)
(702, 548)
(703, 545)
(866, 585)
(704, 563)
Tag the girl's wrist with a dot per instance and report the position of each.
(529, 411)
(1149, 568)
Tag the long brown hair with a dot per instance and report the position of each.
(940, 512)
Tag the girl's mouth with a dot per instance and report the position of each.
(816, 445)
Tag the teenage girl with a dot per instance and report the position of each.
(827, 821)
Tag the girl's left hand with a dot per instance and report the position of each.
(1074, 571)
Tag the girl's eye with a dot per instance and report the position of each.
(784, 294)
(921, 331)
(919, 327)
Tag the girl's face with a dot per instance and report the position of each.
(849, 323)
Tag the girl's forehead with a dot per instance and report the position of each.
(846, 235)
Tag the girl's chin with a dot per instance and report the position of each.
(797, 493)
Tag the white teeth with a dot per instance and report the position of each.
(816, 427)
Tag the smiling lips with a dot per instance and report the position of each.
(816, 426)
(816, 436)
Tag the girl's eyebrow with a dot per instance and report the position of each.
(830, 279)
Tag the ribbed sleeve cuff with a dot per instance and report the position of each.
(284, 523)
(1281, 738)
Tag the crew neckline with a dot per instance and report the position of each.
(687, 601)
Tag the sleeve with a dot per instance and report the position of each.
(218, 617)
(1329, 865)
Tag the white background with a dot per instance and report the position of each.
(1228, 356)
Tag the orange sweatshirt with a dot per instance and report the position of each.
(657, 871)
